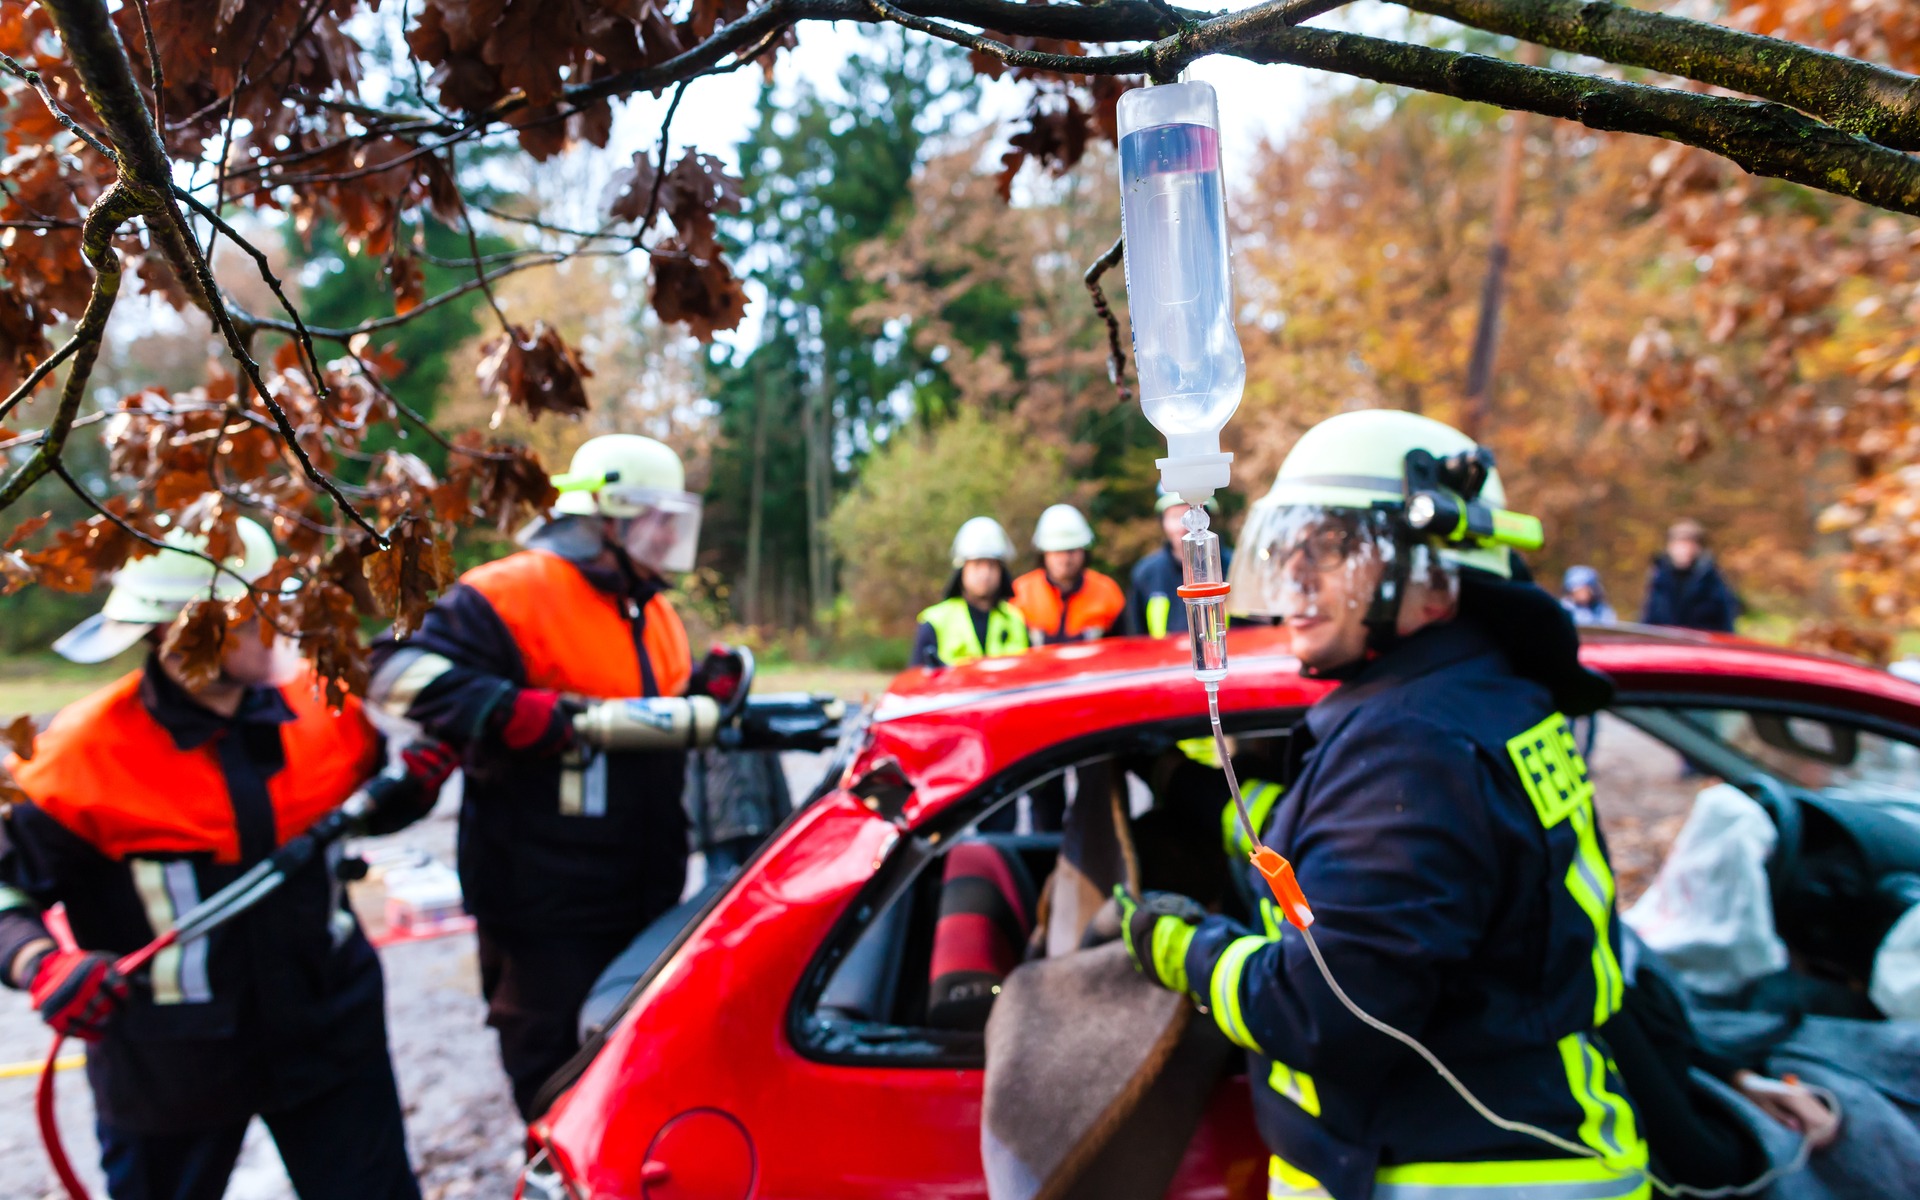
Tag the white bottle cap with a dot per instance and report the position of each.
(1194, 473)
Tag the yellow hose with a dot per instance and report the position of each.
(21, 1069)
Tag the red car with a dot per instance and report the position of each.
(778, 1047)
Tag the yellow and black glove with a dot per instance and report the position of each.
(1158, 927)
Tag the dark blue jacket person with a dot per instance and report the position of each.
(1442, 825)
(1686, 588)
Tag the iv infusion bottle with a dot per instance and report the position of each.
(1174, 217)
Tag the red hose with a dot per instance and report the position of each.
(43, 1093)
(50, 1127)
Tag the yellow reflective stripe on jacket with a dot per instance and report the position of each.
(1223, 991)
(1260, 796)
(1297, 1086)
(1526, 1179)
(955, 640)
(1607, 1123)
(1555, 777)
(163, 973)
(1159, 613)
(1591, 883)
(1200, 750)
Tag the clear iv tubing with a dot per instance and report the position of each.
(1766, 1180)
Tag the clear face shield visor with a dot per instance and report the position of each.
(658, 529)
(1307, 560)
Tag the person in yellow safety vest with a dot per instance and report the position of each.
(1153, 601)
(1441, 822)
(1063, 599)
(975, 619)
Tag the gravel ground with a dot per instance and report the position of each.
(461, 1127)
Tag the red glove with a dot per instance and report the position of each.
(538, 721)
(430, 763)
(77, 992)
(401, 799)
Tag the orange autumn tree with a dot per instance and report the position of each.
(1363, 246)
(107, 112)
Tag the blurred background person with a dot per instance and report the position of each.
(1153, 603)
(1062, 599)
(1584, 599)
(1686, 589)
(975, 619)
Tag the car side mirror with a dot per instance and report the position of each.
(1822, 741)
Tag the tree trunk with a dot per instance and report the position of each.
(1478, 417)
(756, 500)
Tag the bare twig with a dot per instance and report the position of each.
(273, 283)
(38, 84)
(153, 65)
(39, 373)
(104, 219)
(1116, 352)
(473, 248)
(660, 168)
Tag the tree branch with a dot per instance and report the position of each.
(1116, 351)
(40, 372)
(104, 219)
(376, 324)
(93, 44)
(1873, 101)
(1764, 138)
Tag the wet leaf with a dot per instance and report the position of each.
(405, 577)
(406, 281)
(196, 642)
(25, 530)
(18, 736)
(533, 370)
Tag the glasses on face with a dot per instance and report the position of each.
(1325, 547)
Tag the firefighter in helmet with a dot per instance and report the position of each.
(1063, 599)
(1441, 821)
(976, 619)
(1153, 602)
(565, 853)
(149, 796)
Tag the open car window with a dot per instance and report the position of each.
(889, 983)
(1821, 752)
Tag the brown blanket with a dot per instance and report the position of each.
(1096, 1081)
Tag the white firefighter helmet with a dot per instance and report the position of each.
(640, 483)
(981, 537)
(1353, 469)
(1062, 527)
(151, 591)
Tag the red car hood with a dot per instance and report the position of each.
(951, 730)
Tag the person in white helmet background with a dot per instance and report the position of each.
(565, 854)
(1064, 600)
(150, 795)
(975, 619)
(1153, 589)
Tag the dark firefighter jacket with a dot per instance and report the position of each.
(143, 802)
(1442, 827)
(1696, 598)
(1154, 607)
(581, 843)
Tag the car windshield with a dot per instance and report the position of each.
(1819, 753)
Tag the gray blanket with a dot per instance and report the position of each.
(1874, 1070)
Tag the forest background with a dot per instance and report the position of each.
(1677, 339)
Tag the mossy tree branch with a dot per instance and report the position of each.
(1878, 103)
